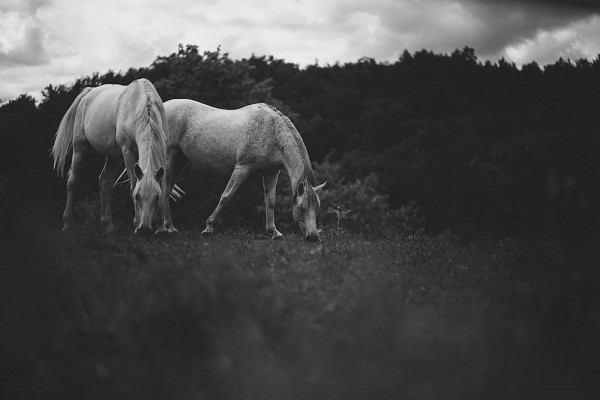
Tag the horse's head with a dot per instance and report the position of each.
(306, 209)
(146, 198)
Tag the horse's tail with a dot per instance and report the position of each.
(63, 139)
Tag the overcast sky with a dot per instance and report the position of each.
(56, 41)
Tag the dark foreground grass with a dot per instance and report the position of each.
(241, 317)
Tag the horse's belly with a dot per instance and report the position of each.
(103, 140)
(211, 159)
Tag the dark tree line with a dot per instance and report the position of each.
(478, 146)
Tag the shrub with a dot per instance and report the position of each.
(355, 205)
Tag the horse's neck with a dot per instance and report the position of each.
(294, 162)
(147, 130)
(148, 154)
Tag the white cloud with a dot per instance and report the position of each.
(20, 35)
(55, 41)
(578, 40)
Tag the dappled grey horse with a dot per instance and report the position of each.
(120, 123)
(235, 143)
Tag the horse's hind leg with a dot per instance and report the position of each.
(270, 185)
(107, 180)
(80, 146)
(239, 175)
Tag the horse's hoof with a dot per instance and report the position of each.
(110, 229)
(277, 236)
(161, 230)
(165, 230)
(207, 232)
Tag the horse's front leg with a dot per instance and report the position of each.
(175, 163)
(167, 225)
(239, 175)
(107, 180)
(270, 185)
(130, 159)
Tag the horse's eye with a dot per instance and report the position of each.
(137, 197)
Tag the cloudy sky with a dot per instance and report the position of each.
(55, 41)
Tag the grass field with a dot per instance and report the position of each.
(238, 316)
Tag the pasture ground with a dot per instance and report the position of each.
(238, 316)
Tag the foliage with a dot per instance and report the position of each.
(212, 78)
(478, 146)
(355, 206)
(369, 210)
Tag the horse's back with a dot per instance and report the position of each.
(189, 115)
(215, 140)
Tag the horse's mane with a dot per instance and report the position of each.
(149, 121)
(308, 172)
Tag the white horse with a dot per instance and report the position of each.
(120, 123)
(236, 143)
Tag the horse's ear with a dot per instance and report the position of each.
(300, 190)
(138, 172)
(317, 189)
(159, 174)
